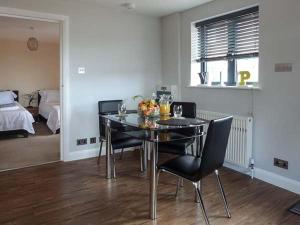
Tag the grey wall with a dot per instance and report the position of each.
(170, 37)
(276, 107)
(121, 53)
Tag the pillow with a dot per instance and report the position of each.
(43, 95)
(52, 96)
(49, 95)
(7, 97)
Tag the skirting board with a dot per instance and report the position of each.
(237, 168)
(83, 154)
(89, 153)
(278, 180)
(269, 177)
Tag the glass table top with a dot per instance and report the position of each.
(155, 123)
(155, 130)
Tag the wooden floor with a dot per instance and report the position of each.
(78, 193)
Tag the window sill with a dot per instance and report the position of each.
(225, 87)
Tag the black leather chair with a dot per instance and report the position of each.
(195, 168)
(180, 147)
(119, 140)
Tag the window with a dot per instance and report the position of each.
(224, 46)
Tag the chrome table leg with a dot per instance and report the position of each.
(113, 164)
(153, 179)
(108, 150)
(142, 159)
(145, 156)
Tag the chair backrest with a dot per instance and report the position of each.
(104, 108)
(188, 109)
(215, 146)
(109, 106)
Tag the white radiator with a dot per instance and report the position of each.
(239, 149)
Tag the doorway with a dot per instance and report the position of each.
(45, 144)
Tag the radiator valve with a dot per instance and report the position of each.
(252, 167)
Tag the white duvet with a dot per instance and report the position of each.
(16, 118)
(53, 121)
(51, 112)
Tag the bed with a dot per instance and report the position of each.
(49, 109)
(15, 119)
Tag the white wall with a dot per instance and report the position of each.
(121, 53)
(170, 37)
(28, 71)
(276, 107)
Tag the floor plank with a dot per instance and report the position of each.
(78, 193)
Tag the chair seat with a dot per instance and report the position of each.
(178, 147)
(118, 136)
(126, 143)
(186, 166)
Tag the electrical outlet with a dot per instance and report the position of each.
(82, 141)
(81, 70)
(283, 67)
(281, 163)
(93, 140)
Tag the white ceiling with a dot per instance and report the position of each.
(157, 8)
(19, 29)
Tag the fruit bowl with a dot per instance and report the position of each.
(148, 108)
(147, 122)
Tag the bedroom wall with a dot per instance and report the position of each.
(28, 71)
(121, 54)
(275, 107)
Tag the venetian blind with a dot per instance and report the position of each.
(231, 36)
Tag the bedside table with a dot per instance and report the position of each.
(34, 112)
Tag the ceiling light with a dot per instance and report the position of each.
(32, 43)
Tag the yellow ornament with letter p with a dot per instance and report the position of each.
(245, 75)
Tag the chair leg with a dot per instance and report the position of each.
(177, 186)
(121, 156)
(100, 151)
(201, 203)
(157, 177)
(141, 159)
(181, 182)
(223, 194)
(192, 149)
(114, 163)
(199, 185)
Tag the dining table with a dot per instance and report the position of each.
(152, 130)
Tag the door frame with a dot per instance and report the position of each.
(64, 66)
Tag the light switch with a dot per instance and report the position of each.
(81, 70)
(283, 67)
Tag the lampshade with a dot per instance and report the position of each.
(32, 44)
